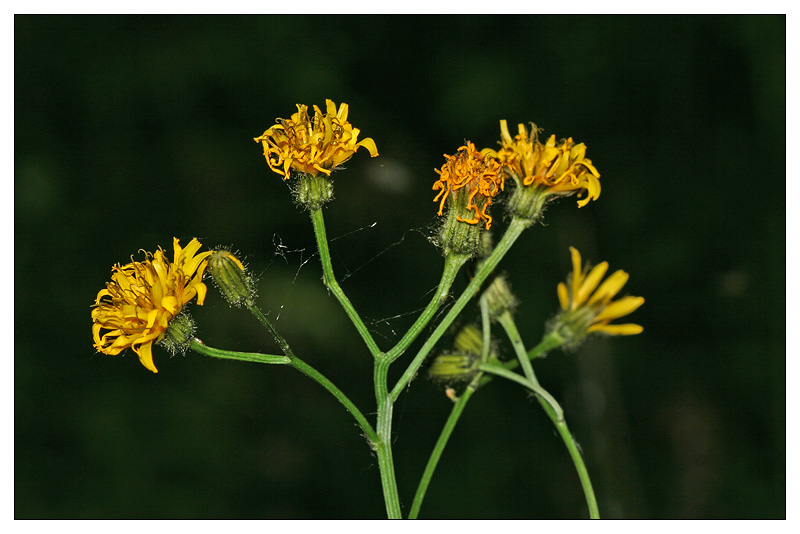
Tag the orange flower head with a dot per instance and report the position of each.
(471, 180)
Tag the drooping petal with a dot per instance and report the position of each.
(145, 353)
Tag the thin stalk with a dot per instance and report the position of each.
(441, 443)
(550, 342)
(198, 346)
(264, 320)
(547, 401)
(514, 230)
(580, 467)
(330, 282)
(554, 412)
(486, 327)
(507, 321)
(295, 362)
(320, 379)
(452, 265)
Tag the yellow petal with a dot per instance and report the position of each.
(610, 287)
(330, 107)
(369, 144)
(563, 296)
(590, 282)
(620, 308)
(201, 293)
(169, 303)
(617, 329)
(145, 352)
(577, 278)
(342, 113)
(504, 135)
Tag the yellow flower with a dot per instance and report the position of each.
(136, 307)
(588, 308)
(543, 170)
(312, 146)
(470, 179)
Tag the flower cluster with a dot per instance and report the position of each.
(540, 171)
(587, 308)
(312, 145)
(136, 307)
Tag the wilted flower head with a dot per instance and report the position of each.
(470, 180)
(136, 307)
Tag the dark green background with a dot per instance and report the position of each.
(132, 130)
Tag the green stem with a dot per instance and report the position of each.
(441, 443)
(255, 310)
(486, 327)
(506, 320)
(295, 362)
(514, 230)
(452, 265)
(551, 341)
(198, 346)
(548, 343)
(383, 446)
(547, 401)
(330, 282)
(318, 377)
(580, 467)
(551, 407)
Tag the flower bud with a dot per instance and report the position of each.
(231, 278)
(453, 367)
(469, 340)
(456, 237)
(499, 296)
(313, 191)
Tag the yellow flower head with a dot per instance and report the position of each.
(588, 308)
(473, 177)
(559, 168)
(312, 146)
(136, 307)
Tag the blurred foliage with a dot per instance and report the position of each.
(132, 130)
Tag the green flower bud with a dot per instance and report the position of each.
(179, 334)
(231, 278)
(453, 367)
(469, 340)
(313, 191)
(456, 237)
(499, 296)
